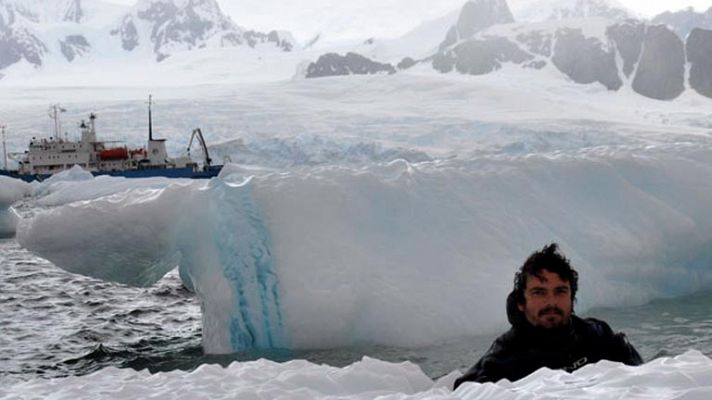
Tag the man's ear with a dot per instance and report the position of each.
(520, 306)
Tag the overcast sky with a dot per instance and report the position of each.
(358, 19)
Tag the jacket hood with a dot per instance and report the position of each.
(514, 315)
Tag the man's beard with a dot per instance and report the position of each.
(552, 325)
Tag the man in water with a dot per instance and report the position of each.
(545, 332)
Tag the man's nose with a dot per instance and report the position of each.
(550, 299)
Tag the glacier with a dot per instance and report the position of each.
(393, 253)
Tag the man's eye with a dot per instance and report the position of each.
(537, 292)
(562, 291)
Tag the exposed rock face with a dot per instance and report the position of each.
(282, 41)
(628, 38)
(699, 55)
(584, 60)
(37, 11)
(332, 64)
(406, 63)
(173, 26)
(74, 11)
(661, 71)
(477, 15)
(684, 21)
(480, 56)
(18, 43)
(536, 42)
(128, 33)
(73, 46)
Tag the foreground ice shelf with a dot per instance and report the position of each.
(686, 376)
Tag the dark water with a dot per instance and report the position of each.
(58, 324)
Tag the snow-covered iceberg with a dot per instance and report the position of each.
(395, 254)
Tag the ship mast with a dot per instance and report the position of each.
(150, 125)
(54, 114)
(4, 149)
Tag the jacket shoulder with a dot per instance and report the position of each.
(614, 345)
(594, 326)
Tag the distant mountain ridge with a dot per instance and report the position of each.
(42, 11)
(172, 25)
(653, 59)
(593, 43)
(32, 30)
(684, 21)
(549, 10)
(586, 41)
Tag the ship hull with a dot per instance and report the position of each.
(186, 173)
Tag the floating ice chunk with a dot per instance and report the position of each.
(11, 191)
(57, 181)
(8, 222)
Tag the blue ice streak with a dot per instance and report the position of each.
(244, 245)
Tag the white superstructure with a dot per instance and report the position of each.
(54, 154)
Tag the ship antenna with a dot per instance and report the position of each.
(4, 149)
(150, 125)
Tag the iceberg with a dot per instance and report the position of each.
(396, 254)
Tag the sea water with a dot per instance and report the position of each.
(57, 324)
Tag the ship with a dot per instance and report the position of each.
(48, 156)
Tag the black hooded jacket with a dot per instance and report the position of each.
(525, 348)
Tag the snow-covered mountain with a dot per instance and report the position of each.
(684, 21)
(35, 31)
(42, 11)
(545, 10)
(167, 26)
(583, 41)
(649, 58)
(603, 49)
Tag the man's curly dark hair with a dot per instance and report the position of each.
(549, 258)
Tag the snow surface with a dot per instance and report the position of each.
(683, 377)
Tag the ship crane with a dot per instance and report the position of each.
(197, 132)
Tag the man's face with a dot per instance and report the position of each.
(547, 301)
